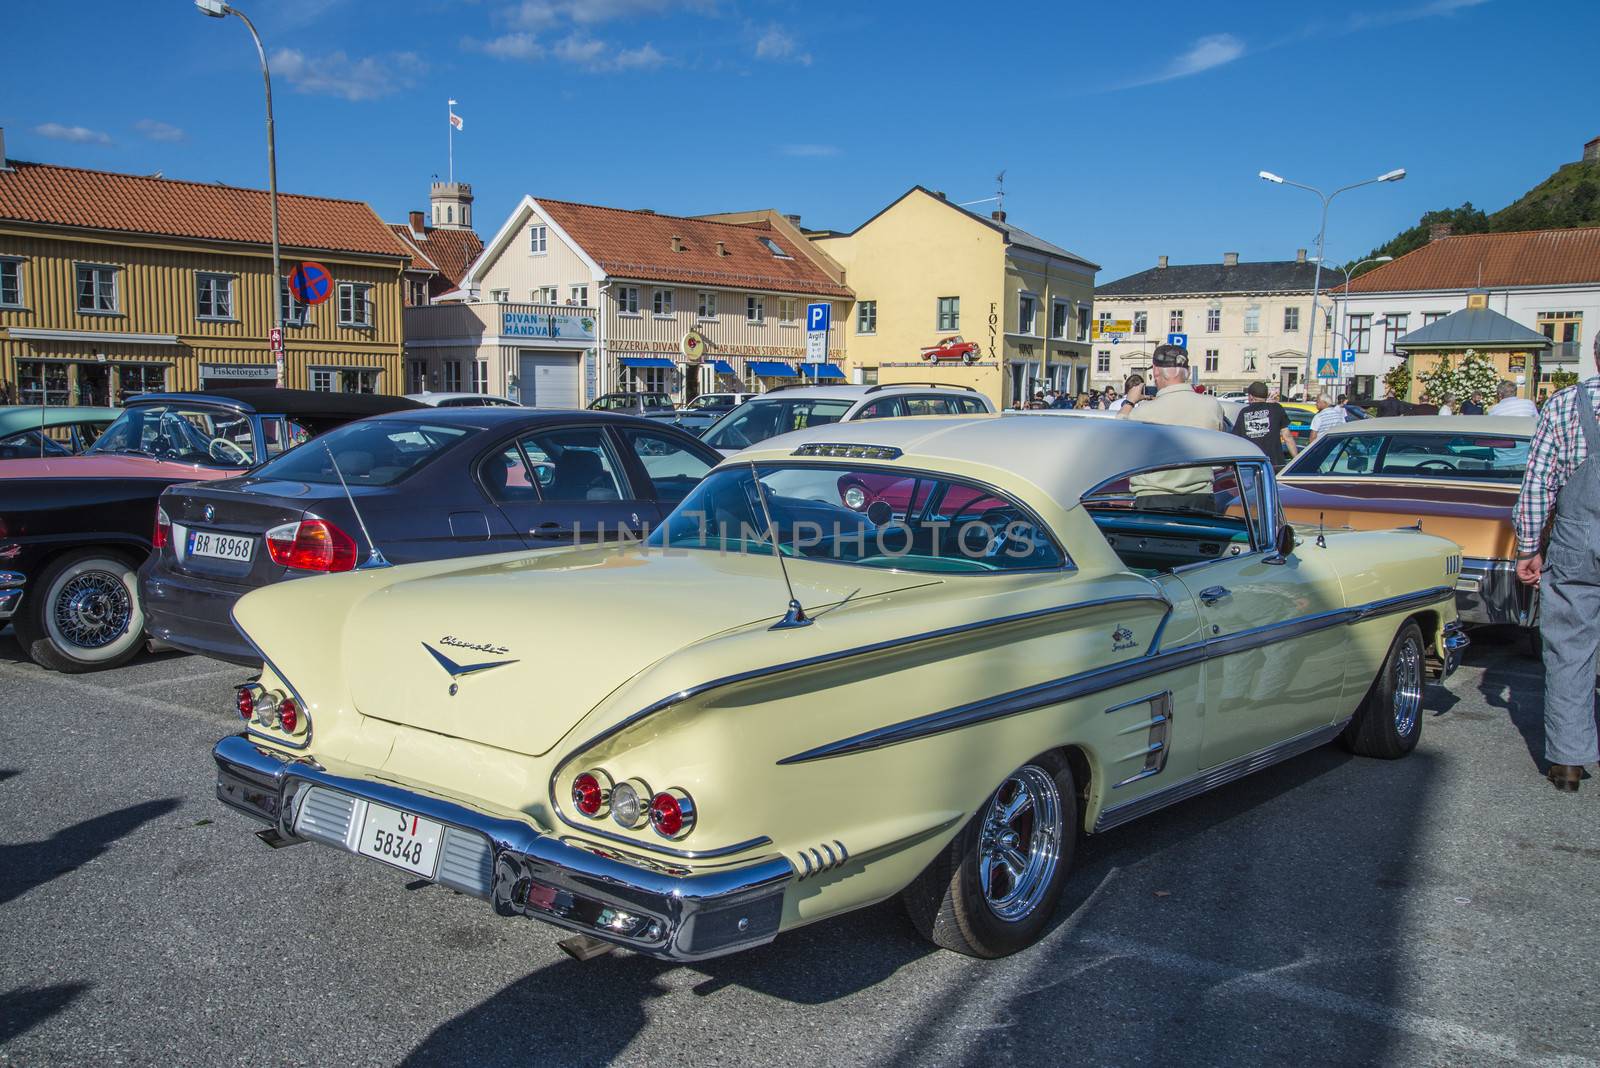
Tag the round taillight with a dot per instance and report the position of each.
(672, 813)
(591, 793)
(246, 702)
(288, 715)
(628, 803)
(855, 497)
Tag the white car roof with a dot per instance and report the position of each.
(437, 399)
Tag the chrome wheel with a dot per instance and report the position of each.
(1407, 686)
(92, 609)
(1019, 845)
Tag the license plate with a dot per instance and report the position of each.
(403, 839)
(222, 546)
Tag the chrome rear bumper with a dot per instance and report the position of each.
(654, 908)
(11, 583)
(1487, 591)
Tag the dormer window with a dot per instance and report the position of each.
(538, 240)
(774, 248)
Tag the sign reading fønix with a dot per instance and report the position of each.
(818, 318)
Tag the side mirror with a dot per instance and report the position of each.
(1285, 543)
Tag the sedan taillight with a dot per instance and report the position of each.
(311, 545)
(163, 532)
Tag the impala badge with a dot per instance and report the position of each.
(1121, 638)
(456, 671)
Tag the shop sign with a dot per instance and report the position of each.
(230, 370)
(529, 324)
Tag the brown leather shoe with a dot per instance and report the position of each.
(1565, 777)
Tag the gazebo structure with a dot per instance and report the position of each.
(1512, 348)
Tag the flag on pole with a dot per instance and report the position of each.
(455, 120)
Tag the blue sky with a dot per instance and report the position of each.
(1125, 133)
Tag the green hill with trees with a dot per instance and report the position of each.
(1569, 197)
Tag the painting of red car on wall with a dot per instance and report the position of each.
(953, 348)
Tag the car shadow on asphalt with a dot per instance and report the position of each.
(27, 865)
(1514, 683)
(25, 1008)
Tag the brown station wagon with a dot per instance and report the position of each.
(1458, 476)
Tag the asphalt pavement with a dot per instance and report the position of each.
(1438, 910)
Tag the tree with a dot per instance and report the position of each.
(1475, 375)
(1397, 379)
(1560, 380)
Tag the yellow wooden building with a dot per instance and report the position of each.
(116, 284)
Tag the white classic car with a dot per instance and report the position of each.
(978, 638)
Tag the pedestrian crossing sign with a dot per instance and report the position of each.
(1328, 368)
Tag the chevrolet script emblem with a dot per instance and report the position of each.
(456, 671)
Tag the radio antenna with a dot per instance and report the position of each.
(795, 616)
(374, 558)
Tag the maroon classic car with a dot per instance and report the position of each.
(953, 348)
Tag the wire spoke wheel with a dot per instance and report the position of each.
(92, 609)
(1019, 845)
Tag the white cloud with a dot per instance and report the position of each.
(81, 135)
(156, 130)
(576, 48)
(336, 74)
(1207, 53)
(540, 14)
(506, 46)
(645, 57)
(579, 49)
(778, 44)
(809, 151)
(1435, 8)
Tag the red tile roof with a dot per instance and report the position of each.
(1491, 261)
(129, 203)
(452, 250)
(638, 244)
(419, 259)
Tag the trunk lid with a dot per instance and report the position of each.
(242, 508)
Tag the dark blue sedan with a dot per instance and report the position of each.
(396, 489)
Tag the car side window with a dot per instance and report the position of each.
(929, 406)
(886, 408)
(574, 465)
(1164, 518)
(506, 477)
(673, 468)
(971, 406)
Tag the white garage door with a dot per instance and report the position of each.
(549, 379)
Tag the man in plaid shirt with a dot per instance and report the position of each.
(1557, 520)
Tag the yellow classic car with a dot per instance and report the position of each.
(912, 657)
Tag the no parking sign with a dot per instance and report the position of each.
(311, 283)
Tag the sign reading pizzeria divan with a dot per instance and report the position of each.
(528, 324)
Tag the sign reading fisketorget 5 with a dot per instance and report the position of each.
(531, 324)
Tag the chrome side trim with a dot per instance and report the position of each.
(1222, 774)
(11, 583)
(1096, 680)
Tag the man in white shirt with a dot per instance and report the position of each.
(1329, 414)
(1511, 404)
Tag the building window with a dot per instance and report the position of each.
(1213, 320)
(1102, 362)
(1428, 318)
(97, 289)
(1291, 320)
(1250, 360)
(705, 304)
(867, 317)
(1361, 333)
(213, 297)
(661, 302)
(42, 383)
(949, 314)
(1252, 319)
(538, 240)
(1083, 324)
(10, 283)
(452, 376)
(1565, 330)
(416, 376)
(1061, 319)
(449, 213)
(1027, 306)
(1175, 322)
(1141, 322)
(359, 381)
(322, 379)
(774, 248)
(500, 296)
(355, 304)
(546, 295)
(628, 300)
(788, 310)
(755, 309)
(578, 295)
(1394, 327)
(1213, 359)
(480, 376)
(293, 312)
(134, 379)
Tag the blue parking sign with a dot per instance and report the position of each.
(818, 316)
(1180, 340)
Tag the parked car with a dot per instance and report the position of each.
(704, 410)
(933, 707)
(34, 431)
(462, 400)
(73, 529)
(797, 407)
(1456, 475)
(653, 405)
(403, 488)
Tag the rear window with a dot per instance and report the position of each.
(758, 420)
(1478, 457)
(366, 453)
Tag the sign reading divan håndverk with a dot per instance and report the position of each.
(528, 324)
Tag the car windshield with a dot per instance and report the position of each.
(1481, 457)
(368, 453)
(758, 420)
(209, 435)
(858, 515)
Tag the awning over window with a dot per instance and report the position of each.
(822, 370)
(647, 361)
(723, 367)
(772, 369)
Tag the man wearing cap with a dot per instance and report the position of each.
(1176, 404)
(1265, 425)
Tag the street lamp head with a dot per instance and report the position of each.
(1393, 176)
(1382, 259)
(217, 9)
(1270, 177)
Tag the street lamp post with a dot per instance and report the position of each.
(1322, 236)
(1349, 273)
(219, 9)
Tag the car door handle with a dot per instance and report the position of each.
(550, 530)
(1212, 594)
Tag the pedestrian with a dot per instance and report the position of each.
(1110, 398)
(1329, 415)
(1473, 405)
(1508, 403)
(1050, 397)
(1390, 405)
(1132, 394)
(1447, 404)
(1265, 424)
(1083, 400)
(1094, 399)
(1182, 489)
(1557, 523)
(1063, 401)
